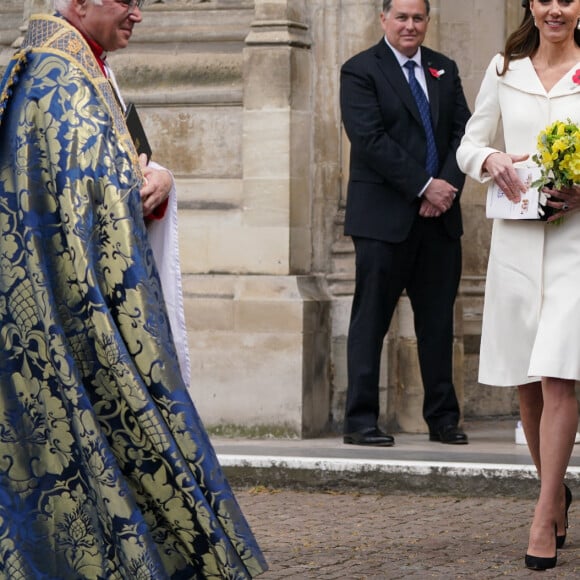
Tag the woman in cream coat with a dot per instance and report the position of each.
(531, 321)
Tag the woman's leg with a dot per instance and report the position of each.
(531, 407)
(558, 426)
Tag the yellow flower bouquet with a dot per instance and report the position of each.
(558, 155)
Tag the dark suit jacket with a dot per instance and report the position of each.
(388, 146)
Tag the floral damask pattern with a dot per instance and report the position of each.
(106, 471)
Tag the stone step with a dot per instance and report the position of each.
(491, 464)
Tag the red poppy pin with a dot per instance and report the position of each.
(436, 74)
(576, 77)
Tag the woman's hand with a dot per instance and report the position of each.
(563, 201)
(501, 168)
(156, 187)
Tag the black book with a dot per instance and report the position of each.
(136, 131)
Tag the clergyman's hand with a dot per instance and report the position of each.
(156, 187)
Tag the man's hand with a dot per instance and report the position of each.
(440, 194)
(428, 210)
(156, 188)
(501, 168)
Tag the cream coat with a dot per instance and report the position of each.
(531, 318)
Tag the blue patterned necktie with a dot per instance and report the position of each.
(432, 162)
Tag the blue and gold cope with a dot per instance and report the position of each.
(106, 471)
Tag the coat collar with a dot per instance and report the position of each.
(523, 77)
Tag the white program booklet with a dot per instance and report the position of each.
(529, 206)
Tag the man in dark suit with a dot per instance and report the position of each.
(404, 121)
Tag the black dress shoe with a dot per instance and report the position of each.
(450, 434)
(374, 437)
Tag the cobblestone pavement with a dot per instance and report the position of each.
(346, 536)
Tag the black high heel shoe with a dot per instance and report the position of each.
(561, 540)
(540, 564)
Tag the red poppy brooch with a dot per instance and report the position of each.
(437, 74)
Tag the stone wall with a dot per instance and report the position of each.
(240, 100)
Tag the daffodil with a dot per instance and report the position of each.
(558, 155)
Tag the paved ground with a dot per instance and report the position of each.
(428, 510)
(335, 536)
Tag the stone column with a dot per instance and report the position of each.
(277, 149)
(277, 135)
(266, 360)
